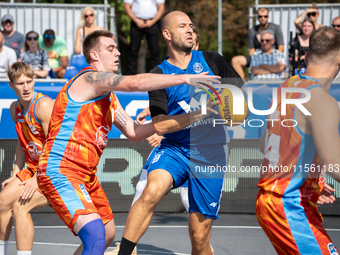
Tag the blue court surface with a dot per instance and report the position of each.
(234, 234)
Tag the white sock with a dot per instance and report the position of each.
(3, 247)
(24, 252)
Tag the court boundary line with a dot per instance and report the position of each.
(174, 226)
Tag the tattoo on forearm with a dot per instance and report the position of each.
(122, 120)
(98, 77)
(116, 80)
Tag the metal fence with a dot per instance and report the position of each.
(285, 14)
(62, 18)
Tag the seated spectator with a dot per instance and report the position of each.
(336, 23)
(13, 39)
(57, 52)
(34, 56)
(267, 62)
(303, 43)
(238, 62)
(7, 57)
(311, 12)
(86, 26)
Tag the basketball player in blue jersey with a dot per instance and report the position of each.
(186, 147)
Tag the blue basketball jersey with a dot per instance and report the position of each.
(184, 98)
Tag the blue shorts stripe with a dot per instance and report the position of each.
(62, 185)
(299, 226)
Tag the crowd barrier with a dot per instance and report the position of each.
(122, 161)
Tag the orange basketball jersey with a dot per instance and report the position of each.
(30, 132)
(78, 134)
(291, 167)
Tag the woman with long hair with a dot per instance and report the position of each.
(86, 26)
(34, 56)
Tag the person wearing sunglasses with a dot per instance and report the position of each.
(57, 52)
(13, 39)
(238, 62)
(86, 25)
(267, 62)
(7, 57)
(336, 23)
(34, 56)
(312, 13)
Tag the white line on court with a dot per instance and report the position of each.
(76, 245)
(155, 226)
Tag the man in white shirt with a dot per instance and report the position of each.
(145, 16)
(267, 62)
(7, 57)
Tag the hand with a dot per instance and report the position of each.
(154, 140)
(211, 103)
(5, 182)
(30, 186)
(140, 23)
(148, 23)
(202, 79)
(326, 196)
(141, 117)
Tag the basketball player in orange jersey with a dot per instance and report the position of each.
(31, 114)
(84, 111)
(292, 178)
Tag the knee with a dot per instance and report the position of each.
(152, 194)
(235, 61)
(19, 210)
(4, 204)
(199, 238)
(93, 237)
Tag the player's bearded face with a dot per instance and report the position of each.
(179, 42)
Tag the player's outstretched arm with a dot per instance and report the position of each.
(164, 124)
(108, 81)
(324, 122)
(129, 128)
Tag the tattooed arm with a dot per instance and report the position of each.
(107, 81)
(129, 128)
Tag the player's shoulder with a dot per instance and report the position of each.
(44, 104)
(321, 100)
(212, 55)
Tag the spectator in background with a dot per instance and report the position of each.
(336, 23)
(34, 56)
(267, 62)
(239, 62)
(57, 51)
(311, 12)
(86, 25)
(303, 43)
(7, 57)
(13, 39)
(145, 16)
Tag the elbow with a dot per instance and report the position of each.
(159, 130)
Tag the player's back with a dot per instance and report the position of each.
(78, 133)
(30, 132)
(291, 167)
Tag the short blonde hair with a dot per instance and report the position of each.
(19, 68)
